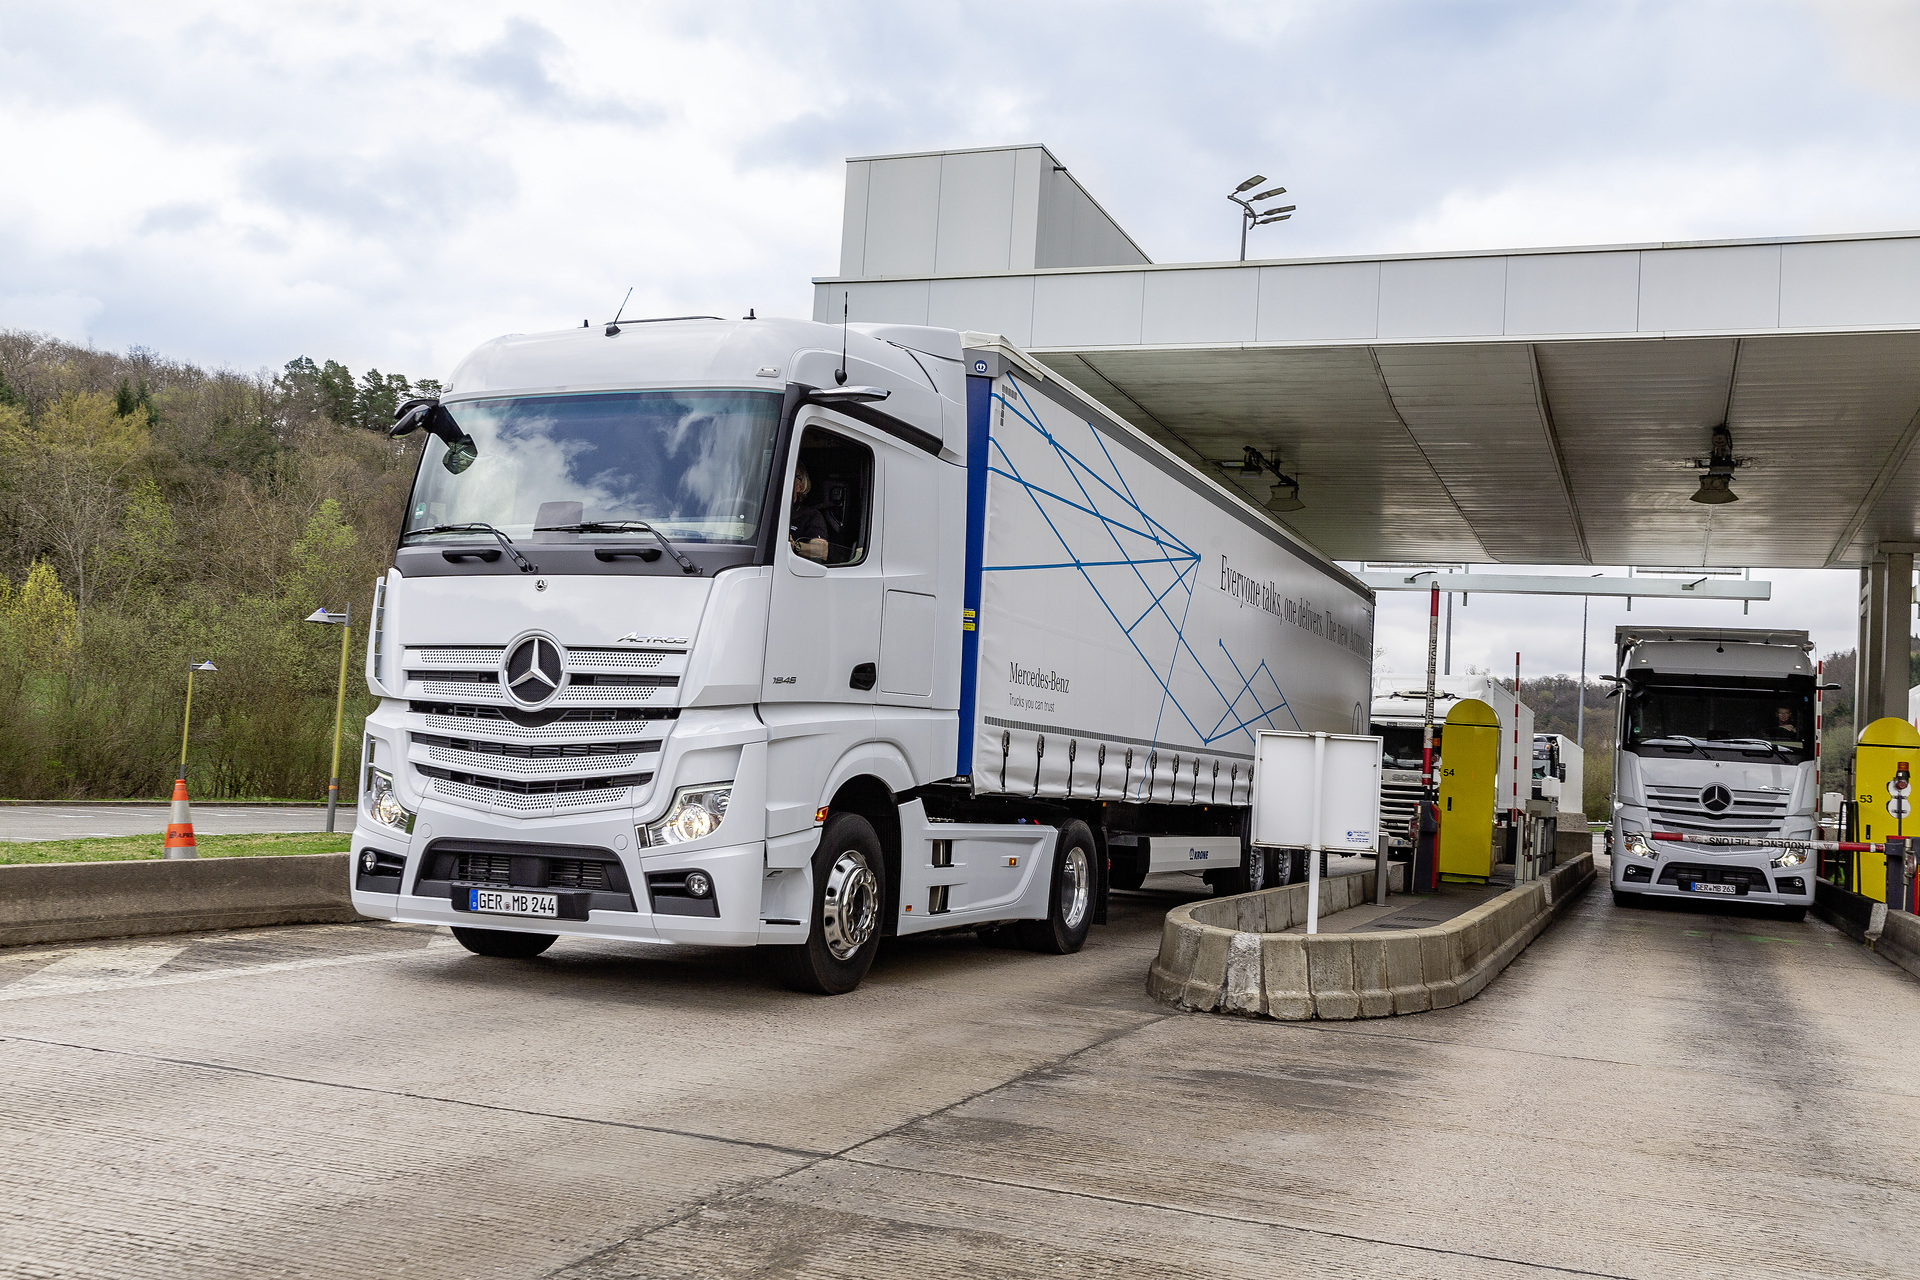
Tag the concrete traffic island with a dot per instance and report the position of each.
(1892, 934)
(1233, 955)
(72, 901)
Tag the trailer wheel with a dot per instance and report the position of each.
(1279, 867)
(504, 944)
(1070, 903)
(849, 896)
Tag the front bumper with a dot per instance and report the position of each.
(1751, 876)
(737, 871)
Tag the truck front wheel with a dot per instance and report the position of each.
(1070, 903)
(849, 894)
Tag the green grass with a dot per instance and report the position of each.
(135, 848)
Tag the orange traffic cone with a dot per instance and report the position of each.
(180, 825)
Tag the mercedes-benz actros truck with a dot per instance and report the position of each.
(780, 634)
(1715, 737)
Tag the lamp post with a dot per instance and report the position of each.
(186, 720)
(1251, 217)
(344, 621)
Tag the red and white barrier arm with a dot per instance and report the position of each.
(1765, 842)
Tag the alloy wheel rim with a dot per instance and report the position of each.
(1075, 887)
(850, 906)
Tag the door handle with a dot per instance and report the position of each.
(864, 677)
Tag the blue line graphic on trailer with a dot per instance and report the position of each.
(1137, 568)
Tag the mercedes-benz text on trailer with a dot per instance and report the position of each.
(722, 633)
(1716, 737)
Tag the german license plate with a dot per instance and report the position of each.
(501, 902)
(1709, 886)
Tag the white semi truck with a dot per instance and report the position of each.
(1715, 737)
(779, 634)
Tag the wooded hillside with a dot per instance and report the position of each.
(153, 513)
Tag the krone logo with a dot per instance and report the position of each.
(532, 671)
(1716, 799)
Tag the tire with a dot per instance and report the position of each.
(1251, 875)
(502, 944)
(1625, 900)
(1126, 869)
(1279, 867)
(849, 899)
(1794, 914)
(1070, 901)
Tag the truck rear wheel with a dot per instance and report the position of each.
(504, 944)
(849, 895)
(1070, 902)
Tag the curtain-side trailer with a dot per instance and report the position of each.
(779, 634)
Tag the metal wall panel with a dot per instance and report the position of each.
(1099, 310)
(853, 221)
(1731, 287)
(988, 304)
(1199, 306)
(903, 216)
(975, 232)
(875, 301)
(1443, 297)
(1558, 293)
(1850, 282)
(1319, 302)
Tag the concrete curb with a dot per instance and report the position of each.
(72, 901)
(1227, 955)
(1893, 934)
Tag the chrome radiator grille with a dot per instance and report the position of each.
(1740, 812)
(591, 746)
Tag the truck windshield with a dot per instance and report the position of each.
(1721, 722)
(1400, 745)
(693, 464)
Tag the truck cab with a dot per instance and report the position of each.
(1715, 737)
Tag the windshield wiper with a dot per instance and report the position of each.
(1743, 743)
(476, 527)
(1692, 743)
(623, 526)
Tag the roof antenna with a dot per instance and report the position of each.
(613, 326)
(840, 374)
(749, 315)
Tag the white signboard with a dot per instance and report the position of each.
(1349, 799)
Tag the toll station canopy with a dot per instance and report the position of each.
(1534, 406)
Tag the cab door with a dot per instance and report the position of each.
(823, 632)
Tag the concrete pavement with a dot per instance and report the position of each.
(1643, 1093)
(83, 821)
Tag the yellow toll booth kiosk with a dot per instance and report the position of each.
(1469, 779)
(1885, 755)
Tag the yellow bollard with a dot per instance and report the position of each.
(1885, 747)
(1469, 772)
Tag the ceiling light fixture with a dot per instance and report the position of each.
(1716, 485)
(1286, 490)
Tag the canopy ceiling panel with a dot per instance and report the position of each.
(1323, 414)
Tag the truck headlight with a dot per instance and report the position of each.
(696, 814)
(1638, 846)
(1792, 858)
(383, 802)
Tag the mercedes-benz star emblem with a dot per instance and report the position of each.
(1716, 799)
(531, 672)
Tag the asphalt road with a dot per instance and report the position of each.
(1644, 1093)
(80, 821)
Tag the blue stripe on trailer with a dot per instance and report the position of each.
(979, 421)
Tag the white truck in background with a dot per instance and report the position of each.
(1398, 719)
(780, 634)
(1715, 737)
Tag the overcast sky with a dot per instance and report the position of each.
(388, 185)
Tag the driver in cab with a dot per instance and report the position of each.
(1783, 728)
(808, 531)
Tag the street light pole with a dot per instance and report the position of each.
(186, 719)
(1251, 217)
(344, 621)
